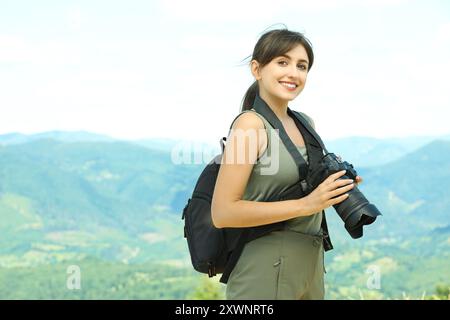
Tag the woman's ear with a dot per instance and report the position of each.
(256, 71)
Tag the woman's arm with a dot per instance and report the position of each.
(227, 207)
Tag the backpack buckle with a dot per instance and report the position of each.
(211, 269)
(304, 186)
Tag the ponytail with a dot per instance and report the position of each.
(250, 96)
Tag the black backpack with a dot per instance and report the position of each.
(215, 250)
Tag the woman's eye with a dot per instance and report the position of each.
(300, 66)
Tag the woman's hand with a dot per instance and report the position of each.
(358, 180)
(330, 192)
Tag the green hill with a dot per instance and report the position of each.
(117, 205)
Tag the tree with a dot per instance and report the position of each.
(207, 290)
(442, 293)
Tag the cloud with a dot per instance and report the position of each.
(18, 49)
(13, 49)
(240, 11)
(375, 74)
(74, 19)
(442, 36)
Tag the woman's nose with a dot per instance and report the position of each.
(294, 73)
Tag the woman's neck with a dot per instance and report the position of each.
(278, 106)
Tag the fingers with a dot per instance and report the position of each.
(338, 183)
(332, 177)
(341, 182)
(333, 190)
(336, 175)
(338, 199)
(341, 190)
(358, 179)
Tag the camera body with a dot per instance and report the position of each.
(355, 211)
(334, 164)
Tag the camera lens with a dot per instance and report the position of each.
(356, 212)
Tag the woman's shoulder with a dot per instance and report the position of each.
(252, 124)
(248, 119)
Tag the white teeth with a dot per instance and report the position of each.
(289, 85)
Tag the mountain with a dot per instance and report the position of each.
(120, 202)
(416, 185)
(360, 151)
(67, 136)
(112, 199)
(120, 184)
(369, 152)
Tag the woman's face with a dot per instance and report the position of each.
(284, 77)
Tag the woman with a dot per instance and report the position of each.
(286, 264)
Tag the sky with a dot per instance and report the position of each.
(177, 69)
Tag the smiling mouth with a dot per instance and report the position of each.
(288, 85)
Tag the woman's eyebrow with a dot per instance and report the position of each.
(288, 57)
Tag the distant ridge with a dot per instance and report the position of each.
(66, 136)
(362, 152)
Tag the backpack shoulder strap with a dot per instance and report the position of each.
(309, 125)
(306, 121)
(327, 244)
(308, 118)
(262, 108)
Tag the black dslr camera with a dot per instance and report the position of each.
(355, 211)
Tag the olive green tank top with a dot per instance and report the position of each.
(265, 180)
